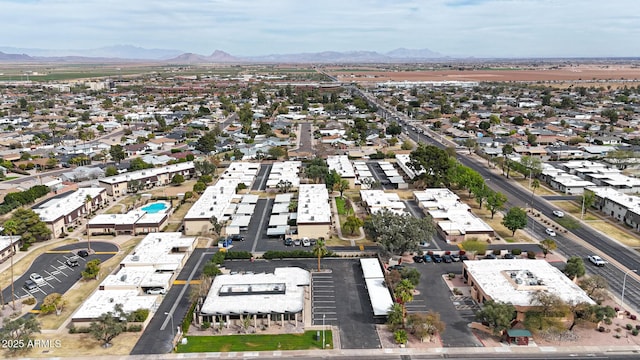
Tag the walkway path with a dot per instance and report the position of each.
(337, 226)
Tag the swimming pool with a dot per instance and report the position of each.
(155, 207)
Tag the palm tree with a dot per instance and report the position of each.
(507, 150)
(535, 184)
(320, 250)
(404, 294)
(10, 229)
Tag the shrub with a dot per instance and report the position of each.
(206, 325)
(638, 327)
(461, 252)
(29, 301)
(457, 291)
(400, 336)
(218, 258)
(497, 252)
(429, 252)
(531, 254)
(452, 276)
(632, 317)
(608, 321)
(134, 328)
(629, 326)
(516, 251)
(279, 254)
(230, 255)
(186, 322)
(634, 332)
(601, 329)
(447, 252)
(139, 315)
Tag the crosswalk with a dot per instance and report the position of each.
(464, 303)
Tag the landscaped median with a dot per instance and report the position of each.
(268, 342)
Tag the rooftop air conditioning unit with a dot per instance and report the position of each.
(123, 277)
(135, 258)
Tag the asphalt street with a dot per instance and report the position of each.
(58, 277)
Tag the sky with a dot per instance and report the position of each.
(478, 28)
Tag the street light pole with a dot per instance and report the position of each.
(173, 328)
(323, 343)
(624, 282)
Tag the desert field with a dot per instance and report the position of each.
(580, 73)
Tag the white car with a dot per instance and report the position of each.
(36, 278)
(156, 291)
(596, 260)
(306, 241)
(550, 232)
(558, 213)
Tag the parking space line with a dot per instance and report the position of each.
(52, 276)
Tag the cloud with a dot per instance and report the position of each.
(253, 27)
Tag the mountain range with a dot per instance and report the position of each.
(124, 53)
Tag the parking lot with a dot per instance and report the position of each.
(57, 276)
(434, 295)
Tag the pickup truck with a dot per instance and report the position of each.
(596, 260)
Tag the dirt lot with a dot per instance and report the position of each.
(568, 73)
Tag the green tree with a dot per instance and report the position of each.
(400, 336)
(331, 179)
(341, 186)
(352, 223)
(28, 223)
(507, 150)
(436, 163)
(277, 152)
(403, 293)
(495, 202)
(394, 317)
(320, 250)
(548, 245)
(139, 164)
(587, 200)
(53, 302)
(117, 153)
(284, 186)
(177, 179)
(110, 171)
(474, 247)
(199, 187)
(574, 268)
(470, 144)
(91, 270)
(19, 331)
(497, 315)
(109, 325)
(207, 142)
(406, 145)
(516, 218)
(207, 179)
(204, 167)
(481, 193)
(397, 233)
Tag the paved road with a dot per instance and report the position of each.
(306, 138)
(157, 336)
(57, 275)
(260, 183)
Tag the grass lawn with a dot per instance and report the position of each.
(341, 204)
(541, 191)
(229, 343)
(616, 233)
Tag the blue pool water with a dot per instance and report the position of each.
(155, 208)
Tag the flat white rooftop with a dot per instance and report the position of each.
(64, 205)
(146, 173)
(103, 301)
(6, 241)
(279, 292)
(371, 268)
(516, 281)
(313, 204)
(142, 276)
(342, 165)
(377, 200)
(161, 250)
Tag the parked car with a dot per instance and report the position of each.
(36, 278)
(30, 285)
(288, 242)
(508, 256)
(436, 258)
(306, 241)
(83, 253)
(455, 257)
(558, 213)
(156, 291)
(313, 241)
(550, 232)
(237, 237)
(397, 267)
(428, 259)
(297, 242)
(418, 259)
(464, 258)
(72, 261)
(596, 260)
(447, 259)
(490, 257)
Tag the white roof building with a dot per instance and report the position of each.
(281, 292)
(342, 165)
(377, 200)
(103, 301)
(164, 251)
(313, 204)
(284, 171)
(516, 281)
(65, 205)
(147, 173)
